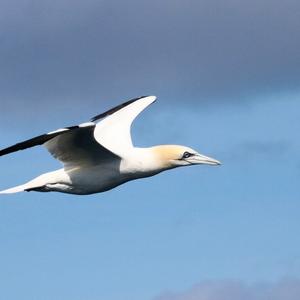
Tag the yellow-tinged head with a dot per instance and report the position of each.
(171, 156)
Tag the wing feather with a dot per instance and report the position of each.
(73, 146)
(115, 109)
(38, 140)
(78, 147)
(114, 132)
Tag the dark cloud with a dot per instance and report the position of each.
(288, 289)
(62, 53)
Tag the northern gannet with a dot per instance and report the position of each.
(99, 155)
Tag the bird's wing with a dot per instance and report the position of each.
(78, 147)
(91, 143)
(113, 132)
(73, 146)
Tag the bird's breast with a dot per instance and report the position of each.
(96, 179)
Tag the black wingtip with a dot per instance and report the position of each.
(116, 108)
(36, 141)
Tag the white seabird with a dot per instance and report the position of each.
(99, 155)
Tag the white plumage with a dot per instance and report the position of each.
(99, 155)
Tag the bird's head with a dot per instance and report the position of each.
(172, 156)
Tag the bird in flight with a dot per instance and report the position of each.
(99, 155)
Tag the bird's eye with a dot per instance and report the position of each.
(187, 155)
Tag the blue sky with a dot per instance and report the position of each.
(227, 78)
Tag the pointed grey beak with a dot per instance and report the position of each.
(202, 159)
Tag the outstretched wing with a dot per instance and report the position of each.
(38, 140)
(91, 143)
(113, 132)
(73, 146)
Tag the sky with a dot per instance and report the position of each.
(227, 75)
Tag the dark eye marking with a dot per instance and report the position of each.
(187, 154)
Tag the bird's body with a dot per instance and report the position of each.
(100, 156)
(98, 178)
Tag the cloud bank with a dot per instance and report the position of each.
(288, 289)
(61, 53)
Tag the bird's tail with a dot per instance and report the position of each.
(16, 189)
(38, 184)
